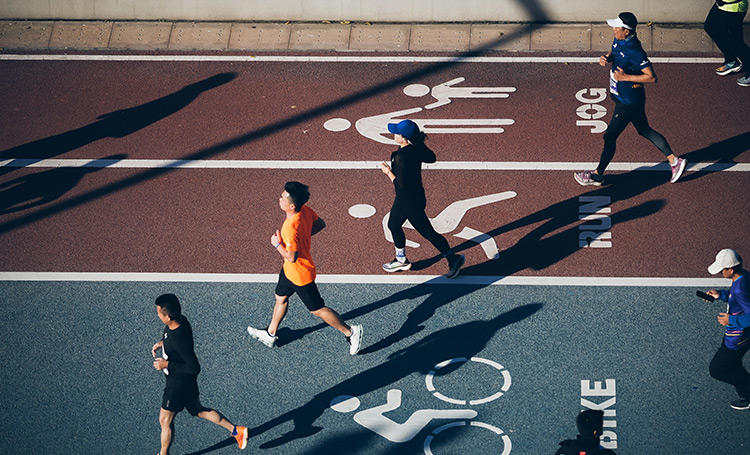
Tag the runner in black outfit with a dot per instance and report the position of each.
(590, 425)
(180, 365)
(405, 171)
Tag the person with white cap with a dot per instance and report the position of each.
(630, 70)
(405, 171)
(726, 366)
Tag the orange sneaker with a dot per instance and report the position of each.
(241, 437)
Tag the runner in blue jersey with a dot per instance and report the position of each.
(726, 366)
(630, 70)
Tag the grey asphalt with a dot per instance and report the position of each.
(76, 371)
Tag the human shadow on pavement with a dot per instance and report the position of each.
(558, 235)
(464, 340)
(219, 445)
(437, 296)
(723, 153)
(37, 189)
(116, 124)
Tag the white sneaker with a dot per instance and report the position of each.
(263, 336)
(355, 339)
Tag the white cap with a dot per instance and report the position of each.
(724, 259)
(624, 20)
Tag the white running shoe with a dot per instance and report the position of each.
(263, 336)
(355, 339)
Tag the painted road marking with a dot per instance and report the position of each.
(451, 216)
(431, 387)
(375, 126)
(507, 446)
(367, 279)
(445, 93)
(334, 59)
(352, 165)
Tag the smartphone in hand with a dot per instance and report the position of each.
(705, 296)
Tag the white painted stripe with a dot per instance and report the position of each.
(351, 165)
(367, 279)
(334, 59)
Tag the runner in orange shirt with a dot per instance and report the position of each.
(298, 273)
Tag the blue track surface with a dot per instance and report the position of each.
(77, 374)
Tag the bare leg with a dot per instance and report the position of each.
(217, 418)
(332, 318)
(166, 421)
(279, 311)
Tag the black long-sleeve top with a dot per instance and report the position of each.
(183, 363)
(406, 165)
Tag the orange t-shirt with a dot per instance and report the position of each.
(296, 234)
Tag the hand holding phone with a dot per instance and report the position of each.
(705, 296)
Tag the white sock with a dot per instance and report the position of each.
(401, 255)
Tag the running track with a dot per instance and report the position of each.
(170, 171)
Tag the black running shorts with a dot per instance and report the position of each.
(308, 293)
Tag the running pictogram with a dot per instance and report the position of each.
(375, 127)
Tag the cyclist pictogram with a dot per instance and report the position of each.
(375, 420)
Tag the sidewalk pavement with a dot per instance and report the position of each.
(339, 36)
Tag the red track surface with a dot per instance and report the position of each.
(191, 220)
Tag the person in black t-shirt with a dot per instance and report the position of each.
(590, 424)
(405, 171)
(180, 365)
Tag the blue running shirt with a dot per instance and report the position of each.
(629, 56)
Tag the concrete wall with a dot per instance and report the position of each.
(689, 11)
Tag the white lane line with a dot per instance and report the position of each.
(334, 59)
(367, 279)
(351, 165)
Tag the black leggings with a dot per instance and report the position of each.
(726, 366)
(414, 212)
(623, 115)
(725, 29)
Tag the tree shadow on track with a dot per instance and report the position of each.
(463, 340)
(43, 187)
(115, 124)
(536, 14)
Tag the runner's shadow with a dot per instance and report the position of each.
(219, 445)
(437, 295)
(723, 153)
(43, 187)
(115, 124)
(558, 235)
(464, 340)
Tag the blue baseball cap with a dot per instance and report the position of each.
(406, 128)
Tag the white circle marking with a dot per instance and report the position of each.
(337, 124)
(362, 211)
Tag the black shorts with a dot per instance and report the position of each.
(176, 400)
(308, 293)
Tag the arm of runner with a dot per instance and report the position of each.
(156, 346)
(720, 295)
(186, 352)
(648, 76)
(428, 156)
(318, 225)
(604, 59)
(160, 364)
(387, 171)
(736, 320)
(290, 256)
